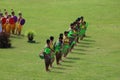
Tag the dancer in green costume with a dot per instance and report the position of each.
(58, 47)
(78, 28)
(47, 55)
(72, 36)
(61, 51)
(66, 44)
(52, 50)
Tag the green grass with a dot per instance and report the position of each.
(95, 58)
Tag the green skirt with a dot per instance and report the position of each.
(52, 55)
(57, 50)
(65, 48)
(82, 32)
(72, 43)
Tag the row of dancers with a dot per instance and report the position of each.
(65, 44)
(10, 23)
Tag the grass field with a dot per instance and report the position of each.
(97, 57)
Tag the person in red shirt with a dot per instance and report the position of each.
(8, 24)
(6, 13)
(12, 22)
(3, 22)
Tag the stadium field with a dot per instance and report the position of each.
(97, 57)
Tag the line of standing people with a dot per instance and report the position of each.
(10, 23)
(65, 43)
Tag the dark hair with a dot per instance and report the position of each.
(6, 12)
(61, 35)
(20, 14)
(9, 15)
(47, 41)
(78, 19)
(51, 38)
(61, 38)
(74, 23)
(82, 17)
(84, 22)
(71, 24)
(65, 32)
(13, 13)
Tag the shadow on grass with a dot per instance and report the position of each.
(66, 65)
(88, 37)
(59, 68)
(73, 58)
(33, 42)
(89, 40)
(12, 47)
(16, 36)
(69, 61)
(9, 48)
(37, 43)
(85, 43)
(79, 49)
(81, 53)
(85, 46)
(56, 72)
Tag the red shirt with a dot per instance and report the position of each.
(11, 21)
(3, 20)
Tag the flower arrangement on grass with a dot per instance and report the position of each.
(30, 35)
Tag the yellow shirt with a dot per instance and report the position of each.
(65, 40)
(51, 45)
